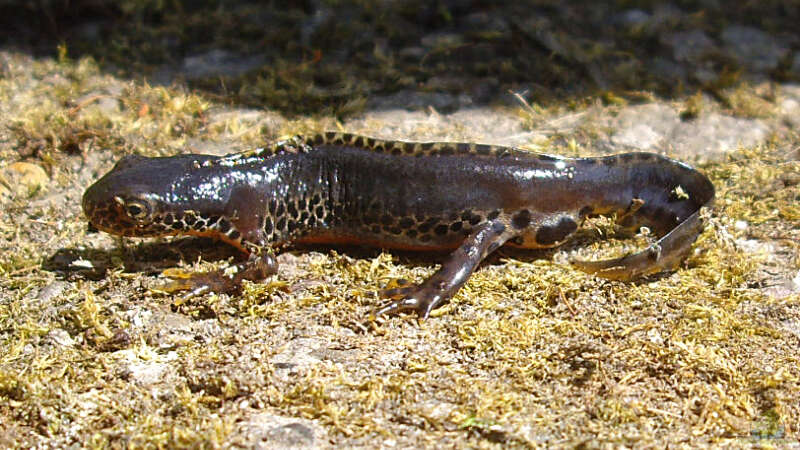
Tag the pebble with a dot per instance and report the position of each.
(796, 63)
(23, 179)
(633, 18)
(753, 48)
(61, 337)
(644, 127)
(712, 136)
(264, 430)
(219, 62)
(689, 46)
(146, 373)
(656, 127)
(51, 291)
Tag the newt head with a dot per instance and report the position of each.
(137, 197)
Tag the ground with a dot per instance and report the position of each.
(529, 353)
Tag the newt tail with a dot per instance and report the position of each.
(342, 188)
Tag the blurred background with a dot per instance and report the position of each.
(343, 56)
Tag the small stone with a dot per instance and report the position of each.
(23, 179)
(100, 102)
(790, 105)
(165, 329)
(486, 22)
(442, 40)
(415, 100)
(644, 127)
(51, 291)
(654, 336)
(689, 46)
(264, 431)
(298, 355)
(796, 63)
(109, 105)
(667, 69)
(753, 48)
(61, 337)
(436, 410)
(665, 15)
(712, 136)
(219, 62)
(81, 264)
(146, 373)
(633, 18)
(412, 53)
(639, 136)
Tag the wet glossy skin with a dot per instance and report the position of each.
(342, 188)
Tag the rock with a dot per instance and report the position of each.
(689, 46)
(298, 355)
(753, 48)
(482, 124)
(61, 337)
(796, 63)
(442, 40)
(415, 100)
(219, 62)
(23, 179)
(713, 135)
(100, 102)
(657, 127)
(164, 329)
(146, 373)
(665, 16)
(644, 127)
(790, 105)
(633, 18)
(791, 91)
(485, 22)
(158, 369)
(790, 111)
(784, 286)
(666, 69)
(639, 136)
(412, 53)
(51, 291)
(268, 431)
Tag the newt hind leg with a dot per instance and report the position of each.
(665, 254)
(454, 272)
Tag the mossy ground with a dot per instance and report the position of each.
(529, 353)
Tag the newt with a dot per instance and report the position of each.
(338, 188)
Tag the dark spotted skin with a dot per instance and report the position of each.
(341, 188)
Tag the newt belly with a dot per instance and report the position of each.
(342, 188)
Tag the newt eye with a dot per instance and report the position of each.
(136, 210)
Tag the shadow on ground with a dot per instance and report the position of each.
(323, 57)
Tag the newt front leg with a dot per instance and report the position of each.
(244, 229)
(259, 265)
